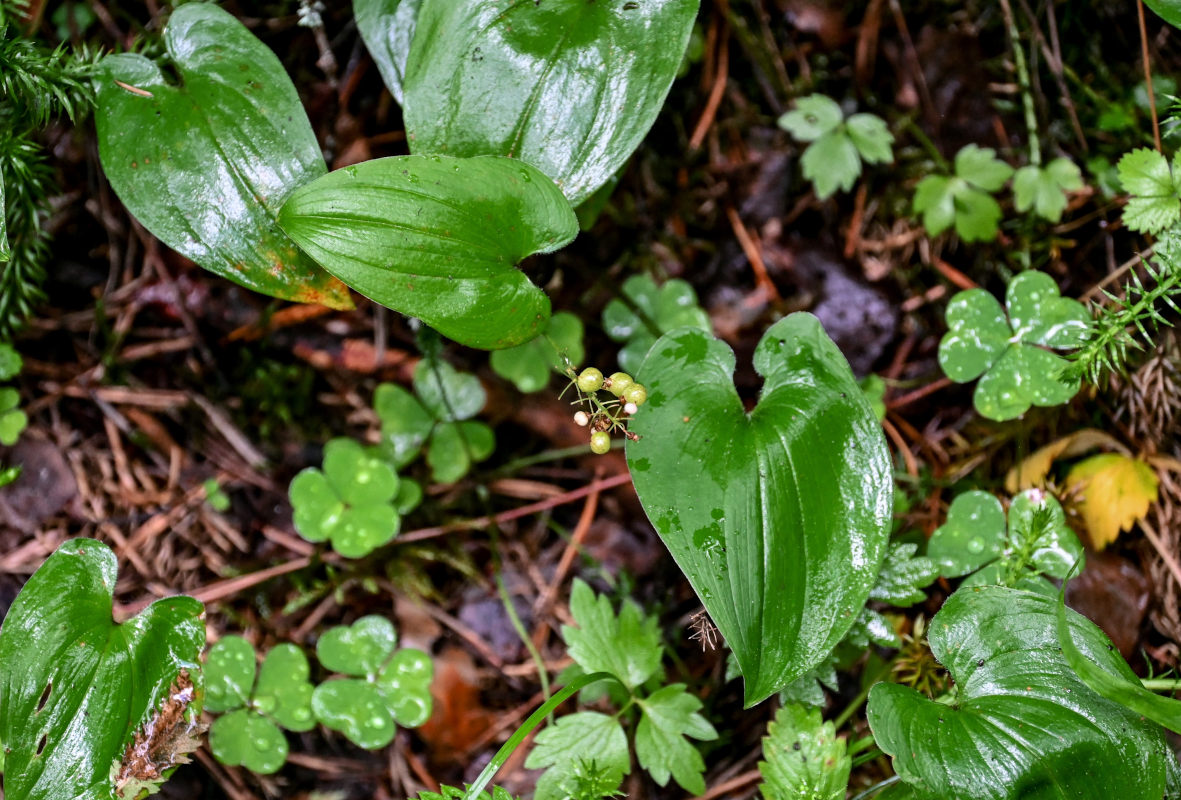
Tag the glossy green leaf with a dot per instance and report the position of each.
(973, 535)
(359, 649)
(531, 365)
(13, 421)
(803, 758)
(387, 26)
(405, 424)
(405, 681)
(1168, 10)
(284, 691)
(74, 686)
(1017, 371)
(358, 478)
(438, 238)
(229, 674)
(569, 86)
(356, 709)
(1021, 723)
(409, 496)
(244, 738)
(580, 737)
(903, 576)
(780, 517)
(206, 163)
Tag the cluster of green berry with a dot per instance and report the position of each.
(608, 416)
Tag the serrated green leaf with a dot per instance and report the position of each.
(359, 649)
(1155, 204)
(808, 689)
(568, 86)
(779, 518)
(438, 238)
(531, 365)
(831, 162)
(582, 736)
(977, 215)
(813, 117)
(903, 576)
(405, 423)
(446, 392)
(627, 646)
(229, 674)
(206, 163)
(387, 27)
(75, 686)
(1021, 724)
(283, 691)
(872, 138)
(669, 716)
(1045, 189)
(804, 759)
(980, 167)
(243, 738)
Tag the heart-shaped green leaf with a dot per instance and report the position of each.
(359, 649)
(387, 26)
(284, 692)
(973, 535)
(360, 479)
(1021, 724)
(780, 517)
(244, 738)
(356, 709)
(405, 424)
(439, 239)
(229, 674)
(406, 683)
(455, 446)
(569, 86)
(74, 686)
(206, 164)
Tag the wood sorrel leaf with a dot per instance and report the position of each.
(74, 686)
(438, 238)
(780, 517)
(206, 163)
(1021, 723)
(569, 86)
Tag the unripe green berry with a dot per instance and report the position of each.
(636, 393)
(618, 382)
(600, 442)
(590, 380)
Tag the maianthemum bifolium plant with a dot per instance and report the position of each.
(780, 516)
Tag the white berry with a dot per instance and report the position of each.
(582, 418)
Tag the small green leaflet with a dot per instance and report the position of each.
(837, 146)
(530, 365)
(662, 747)
(1045, 189)
(803, 759)
(585, 735)
(964, 199)
(627, 646)
(1155, 190)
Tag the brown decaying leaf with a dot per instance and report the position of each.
(164, 741)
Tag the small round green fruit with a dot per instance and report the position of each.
(618, 382)
(636, 393)
(590, 380)
(600, 442)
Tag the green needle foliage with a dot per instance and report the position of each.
(837, 146)
(590, 748)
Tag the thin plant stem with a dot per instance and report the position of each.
(1035, 148)
(515, 619)
(877, 787)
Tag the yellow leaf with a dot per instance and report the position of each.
(1032, 472)
(1116, 491)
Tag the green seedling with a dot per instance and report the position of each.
(1155, 188)
(215, 496)
(964, 199)
(626, 646)
(531, 365)
(803, 757)
(454, 793)
(248, 732)
(837, 146)
(355, 501)
(648, 312)
(441, 413)
(92, 708)
(1045, 189)
(1019, 722)
(384, 688)
(1009, 351)
(975, 541)
(874, 388)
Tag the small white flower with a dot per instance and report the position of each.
(582, 418)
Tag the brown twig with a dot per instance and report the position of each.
(751, 249)
(716, 91)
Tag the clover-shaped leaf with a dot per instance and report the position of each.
(13, 421)
(1009, 352)
(384, 688)
(351, 502)
(10, 360)
(455, 446)
(1156, 190)
(405, 423)
(963, 199)
(974, 539)
(530, 365)
(646, 312)
(447, 393)
(1044, 189)
(833, 159)
(1021, 723)
(249, 735)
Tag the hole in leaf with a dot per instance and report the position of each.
(41, 744)
(44, 697)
